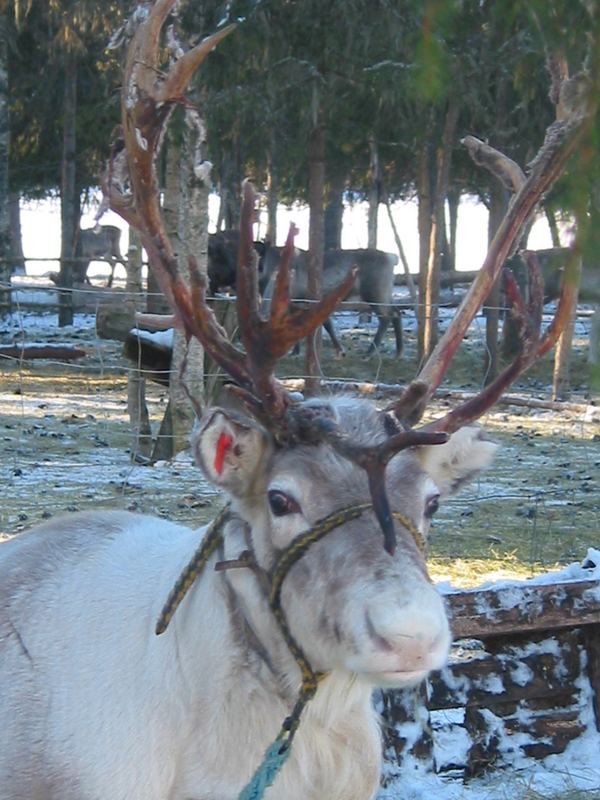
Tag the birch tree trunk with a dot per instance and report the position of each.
(187, 360)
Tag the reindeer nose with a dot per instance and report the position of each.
(416, 636)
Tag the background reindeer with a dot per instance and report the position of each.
(374, 284)
(101, 241)
(317, 561)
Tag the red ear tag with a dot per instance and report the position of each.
(223, 445)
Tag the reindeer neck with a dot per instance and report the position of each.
(255, 629)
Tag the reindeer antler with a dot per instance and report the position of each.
(266, 341)
(149, 96)
(562, 138)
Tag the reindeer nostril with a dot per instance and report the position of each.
(381, 643)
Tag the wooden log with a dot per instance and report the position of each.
(519, 608)
(115, 322)
(41, 351)
(592, 646)
(545, 670)
(154, 322)
(152, 358)
(552, 731)
(540, 736)
(401, 737)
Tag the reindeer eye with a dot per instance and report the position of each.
(281, 504)
(431, 505)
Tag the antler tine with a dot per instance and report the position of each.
(533, 345)
(148, 98)
(266, 341)
(281, 291)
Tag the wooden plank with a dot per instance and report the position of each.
(521, 608)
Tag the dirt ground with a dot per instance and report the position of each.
(65, 443)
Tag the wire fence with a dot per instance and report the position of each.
(67, 442)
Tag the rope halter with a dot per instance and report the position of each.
(272, 582)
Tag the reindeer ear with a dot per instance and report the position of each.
(462, 458)
(229, 448)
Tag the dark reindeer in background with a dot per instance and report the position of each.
(373, 284)
(313, 580)
(100, 242)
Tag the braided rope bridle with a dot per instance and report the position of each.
(272, 582)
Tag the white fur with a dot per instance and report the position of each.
(95, 706)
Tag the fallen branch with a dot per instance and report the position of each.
(29, 352)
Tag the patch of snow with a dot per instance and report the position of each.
(521, 674)
(162, 338)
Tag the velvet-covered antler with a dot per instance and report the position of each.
(562, 138)
(150, 93)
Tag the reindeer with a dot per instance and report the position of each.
(223, 247)
(374, 285)
(308, 590)
(101, 241)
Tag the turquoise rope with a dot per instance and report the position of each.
(275, 757)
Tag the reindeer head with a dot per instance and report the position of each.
(359, 599)
(351, 605)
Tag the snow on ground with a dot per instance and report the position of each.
(577, 768)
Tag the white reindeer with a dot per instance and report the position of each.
(95, 705)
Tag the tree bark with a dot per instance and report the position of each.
(436, 232)
(229, 187)
(69, 202)
(553, 226)
(408, 278)
(139, 419)
(424, 225)
(498, 206)
(316, 189)
(374, 192)
(5, 266)
(453, 206)
(187, 362)
(17, 264)
(272, 192)
(334, 212)
(561, 385)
